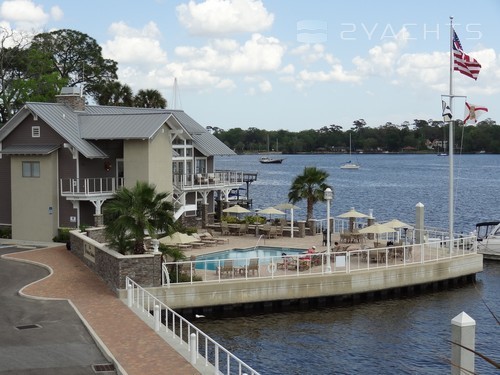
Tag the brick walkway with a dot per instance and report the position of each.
(137, 349)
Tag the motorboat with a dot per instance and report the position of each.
(488, 239)
(268, 160)
(349, 165)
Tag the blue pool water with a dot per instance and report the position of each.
(241, 256)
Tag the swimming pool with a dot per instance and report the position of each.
(240, 256)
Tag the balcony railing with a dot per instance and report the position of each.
(87, 187)
(218, 179)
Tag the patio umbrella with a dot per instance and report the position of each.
(270, 211)
(377, 229)
(291, 207)
(352, 215)
(177, 238)
(395, 223)
(236, 209)
(398, 224)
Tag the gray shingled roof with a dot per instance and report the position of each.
(79, 128)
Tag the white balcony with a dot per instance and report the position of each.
(87, 188)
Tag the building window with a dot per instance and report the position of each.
(35, 132)
(31, 169)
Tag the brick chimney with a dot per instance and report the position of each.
(72, 97)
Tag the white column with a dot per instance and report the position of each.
(463, 332)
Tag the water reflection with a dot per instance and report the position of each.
(398, 336)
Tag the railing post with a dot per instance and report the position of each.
(192, 348)
(130, 294)
(157, 317)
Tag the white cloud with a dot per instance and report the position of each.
(265, 86)
(135, 46)
(383, 58)
(27, 15)
(216, 17)
(56, 13)
(226, 56)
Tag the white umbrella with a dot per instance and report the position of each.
(236, 209)
(177, 238)
(291, 207)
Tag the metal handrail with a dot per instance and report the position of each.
(199, 344)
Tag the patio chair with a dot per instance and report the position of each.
(253, 266)
(227, 268)
(204, 239)
(243, 229)
(279, 231)
(224, 228)
(272, 232)
(218, 240)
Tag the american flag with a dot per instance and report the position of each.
(462, 62)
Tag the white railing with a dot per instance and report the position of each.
(362, 259)
(208, 180)
(199, 345)
(89, 186)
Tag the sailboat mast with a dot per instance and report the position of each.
(451, 141)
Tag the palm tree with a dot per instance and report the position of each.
(311, 186)
(135, 213)
(150, 99)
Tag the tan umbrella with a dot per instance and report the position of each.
(352, 214)
(177, 238)
(291, 207)
(377, 229)
(270, 211)
(395, 223)
(236, 209)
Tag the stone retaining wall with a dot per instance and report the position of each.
(112, 266)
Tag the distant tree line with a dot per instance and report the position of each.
(419, 136)
(35, 68)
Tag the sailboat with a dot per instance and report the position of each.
(350, 164)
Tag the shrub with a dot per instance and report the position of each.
(62, 235)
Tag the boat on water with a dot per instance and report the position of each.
(268, 160)
(488, 239)
(350, 164)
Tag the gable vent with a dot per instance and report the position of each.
(35, 131)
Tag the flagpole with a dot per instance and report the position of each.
(451, 142)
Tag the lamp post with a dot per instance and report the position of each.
(328, 197)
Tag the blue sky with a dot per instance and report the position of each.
(295, 65)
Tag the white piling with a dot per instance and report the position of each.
(192, 348)
(463, 332)
(157, 317)
(419, 223)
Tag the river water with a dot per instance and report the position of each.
(393, 336)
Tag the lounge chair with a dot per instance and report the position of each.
(205, 240)
(218, 240)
